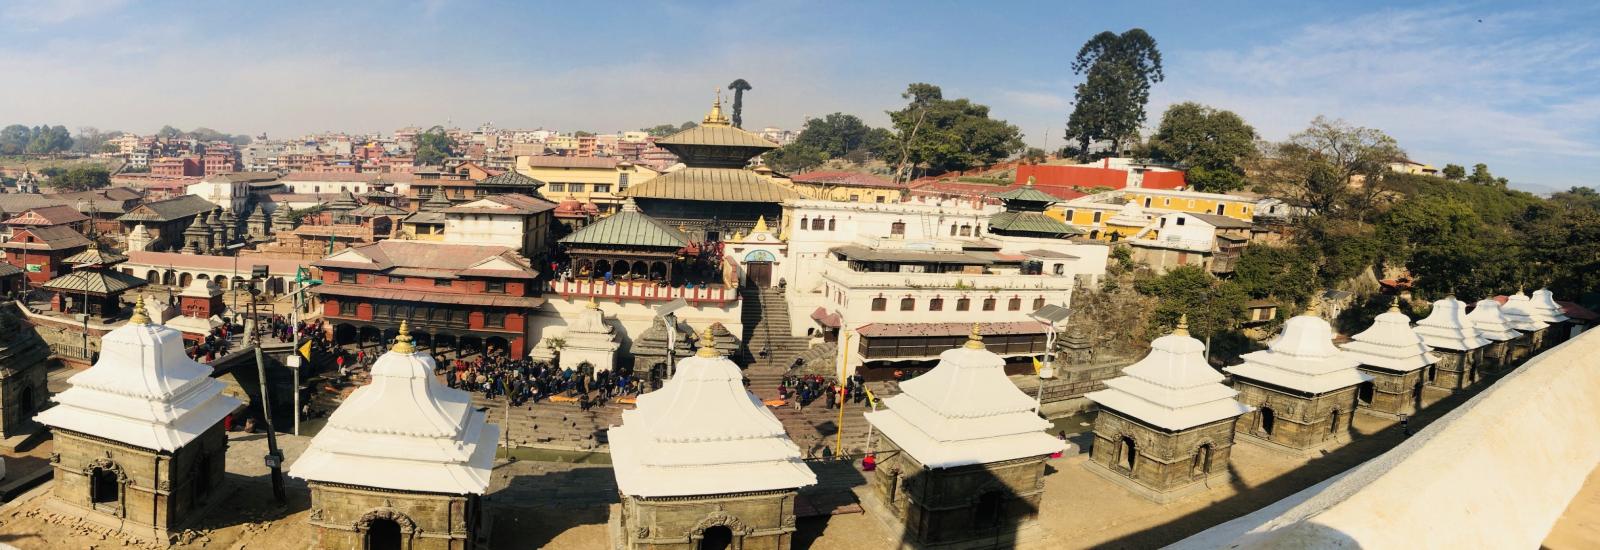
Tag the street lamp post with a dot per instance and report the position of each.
(1050, 315)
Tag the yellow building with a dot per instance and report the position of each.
(845, 186)
(1134, 209)
(595, 180)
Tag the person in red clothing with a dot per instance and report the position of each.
(869, 463)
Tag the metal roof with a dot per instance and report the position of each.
(629, 227)
(1222, 222)
(372, 210)
(168, 210)
(94, 281)
(712, 184)
(1027, 193)
(1031, 222)
(511, 178)
(55, 237)
(95, 256)
(717, 135)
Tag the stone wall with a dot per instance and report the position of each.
(158, 492)
(342, 515)
(950, 505)
(1164, 461)
(757, 521)
(1298, 422)
(1393, 394)
(1455, 370)
(1496, 472)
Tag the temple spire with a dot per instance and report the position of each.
(140, 317)
(708, 344)
(715, 117)
(975, 340)
(1183, 326)
(402, 340)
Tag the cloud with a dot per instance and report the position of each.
(50, 12)
(1518, 91)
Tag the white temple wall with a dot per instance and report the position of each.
(631, 319)
(1533, 430)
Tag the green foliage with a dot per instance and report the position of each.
(81, 178)
(1035, 155)
(739, 87)
(1559, 237)
(794, 158)
(660, 130)
(1213, 143)
(984, 180)
(1442, 238)
(1109, 104)
(1481, 176)
(583, 133)
(434, 146)
(943, 135)
(1314, 169)
(1286, 273)
(1123, 256)
(38, 140)
(1454, 172)
(837, 135)
(1213, 307)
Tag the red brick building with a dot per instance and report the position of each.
(177, 166)
(219, 162)
(39, 251)
(454, 296)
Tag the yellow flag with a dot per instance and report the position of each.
(1037, 366)
(306, 350)
(872, 399)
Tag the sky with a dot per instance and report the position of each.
(1515, 85)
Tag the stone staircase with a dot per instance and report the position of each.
(550, 424)
(765, 315)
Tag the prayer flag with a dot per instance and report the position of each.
(1037, 366)
(306, 350)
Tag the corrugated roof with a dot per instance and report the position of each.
(712, 184)
(95, 256)
(56, 237)
(414, 295)
(373, 210)
(429, 255)
(511, 178)
(48, 215)
(1222, 222)
(1031, 222)
(1027, 193)
(96, 281)
(514, 203)
(628, 227)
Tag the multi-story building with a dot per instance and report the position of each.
(596, 180)
(846, 186)
(512, 220)
(177, 166)
(454, 296)
(1207, 240)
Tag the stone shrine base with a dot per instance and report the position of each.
(1032, 535)
(1159, 497)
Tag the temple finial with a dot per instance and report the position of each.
(1031, 179)
(593, 304)
(1183, 325)
(140, 317)
(708, 344)
(402, 340)
(975, 340)
(1394, 305)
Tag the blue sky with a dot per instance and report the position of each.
(1519, 90)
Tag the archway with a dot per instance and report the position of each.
(717, 538)
(168, 278)
(185, 279)
(200, 480)
(204, 277)
(1416, 396)
(1127, 453)
(758, 268)
(986, 513)
(383, 534)
(153, 277)
(1202, 461)
(497, 343)
(1333, 422)
(104, 487)
(1364, 393)
(344, 334)
(1267, 418)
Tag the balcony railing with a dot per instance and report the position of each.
(643, 291)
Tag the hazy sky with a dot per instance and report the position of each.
(1514, 85)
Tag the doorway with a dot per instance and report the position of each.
(1128, 453)
(383, 534)
(717, 538)
(758, 274)
(1267, 418)
(1364, 393)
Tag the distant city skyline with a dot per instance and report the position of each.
(1509, 85)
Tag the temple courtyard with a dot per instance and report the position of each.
(564, 505)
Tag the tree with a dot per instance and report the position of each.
(660, 130)
(49, 139)
(794, 158)
(1282, 272)
(1034, 155)
(1331, 168)
(1213, 143)
(948, 134)
(81, 178)
(1454, 172)
(1444, 242)
(14, 139)
(91, 140)
(1109, 105)
(168, 132)
(434, 146)
(1212, 307)
(836, 135)
(739, 87)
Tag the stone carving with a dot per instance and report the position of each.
(407, 526)
(316, 514)
(644, 532)
(720, 519)
(105, 464)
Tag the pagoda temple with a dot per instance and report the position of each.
(649, 351)
(1394, 355)
(92, 287)
(139, 443)
(1543, 307)
(591, 344)
(1455, 341)
(1494, 326)
(23, 377)
(1302, 387)
(1165, 428)
(714, 195)
(402, 462)
(627, 246)
(200, 310)
(1024, 215)
(964, 452)
(702, 463)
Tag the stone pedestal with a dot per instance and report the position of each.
(1497, 357)
(987, 505)
(1390, 394)
(1158, 464)
(1295, 422)
(145, 493)
(589, 340)
(761, 520)
(349, 517)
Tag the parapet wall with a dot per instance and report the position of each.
(1497, 472)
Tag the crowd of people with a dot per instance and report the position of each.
(497, 374)
(800, 391)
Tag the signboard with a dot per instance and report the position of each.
(35, 268)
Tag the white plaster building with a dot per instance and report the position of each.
(587, 340)
(1172, 388)
(1493, 325)
(512, 220)
(1302, 386)
(1393, 354)
(228, 191)
(1455, 341)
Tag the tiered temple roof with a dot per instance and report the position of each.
(1522, 315)
(964, 412)
(628, 227)
(1172, 388)
(144, 391)
(1542, 306)
(1447, 327)
(1491, 322)
(404, 431)
(1302, 358)
(703, 433)
(1390, 344)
